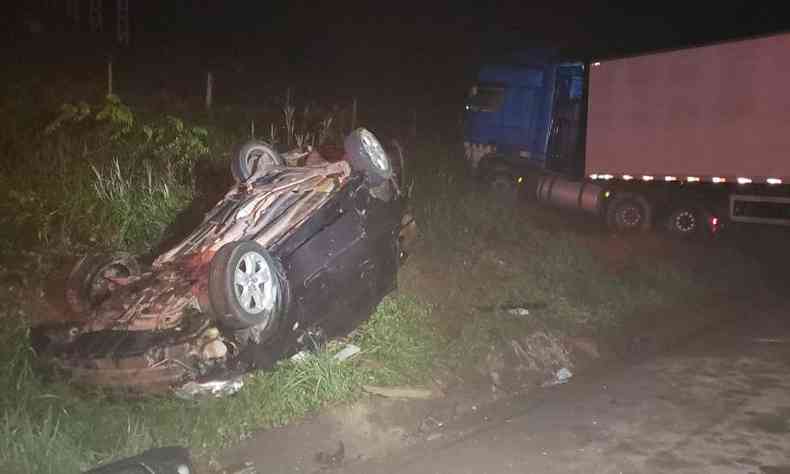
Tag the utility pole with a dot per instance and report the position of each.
(96, 16)
(123, 21)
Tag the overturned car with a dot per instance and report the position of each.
(288, 250)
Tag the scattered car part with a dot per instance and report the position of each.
(168, 460)
(212, 388)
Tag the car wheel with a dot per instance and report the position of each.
(684, 222)
(628, 212)
(247, 287)
(90, 281)
(365, 154)
(252, 157)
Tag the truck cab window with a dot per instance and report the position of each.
(485, 98)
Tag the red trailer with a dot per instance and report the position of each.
(685, 139)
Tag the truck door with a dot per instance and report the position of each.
(565, 137)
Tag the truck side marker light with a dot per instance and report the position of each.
(692, 179)
(718, 180)
(627, 177)
(593, 176)
(520, 179)
(607, 194)
(773, 181)
(744, 180)
(596, 64)
(670, 178)
(647, 178)
(606, 176)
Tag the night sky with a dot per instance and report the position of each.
(416, 51)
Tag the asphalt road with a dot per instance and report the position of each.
(719, 404)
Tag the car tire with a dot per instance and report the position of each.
(87, 285)
(685, 222)
(366, 155)
(628, 212)
(247, 288)
(253, 157)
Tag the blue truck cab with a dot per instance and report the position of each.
(525, 112)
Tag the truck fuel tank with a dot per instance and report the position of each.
(561, 192)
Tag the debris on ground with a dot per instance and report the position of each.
(347, 352)
(417, 393)
(213, 388)
(167, 460)
(586, 346)
(562, 376)
(332, 460)
(517, 311)
(344, 354)
(526, 361)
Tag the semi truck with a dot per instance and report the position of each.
(685, 140)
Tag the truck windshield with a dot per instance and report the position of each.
(485, 98)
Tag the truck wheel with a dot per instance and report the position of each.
(366, 154)
(628, 212)
(252, 157)
(684, 222)
(502, 183)
(89, 282)
(247, 287)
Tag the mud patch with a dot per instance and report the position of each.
(765, 382)
(775, 469)
(774, 423)
(669, 461)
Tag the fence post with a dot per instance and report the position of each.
(354, 114)
(209, 90)
(414, 122)
(109, 77)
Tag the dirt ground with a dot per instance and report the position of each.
(718, 404)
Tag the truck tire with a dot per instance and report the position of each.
(628, 212)
(686, 221)
(502, 182)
